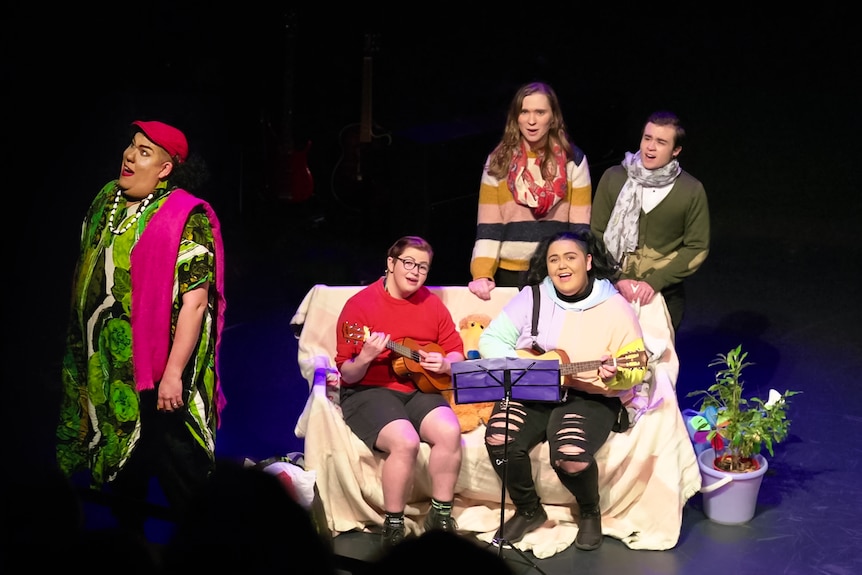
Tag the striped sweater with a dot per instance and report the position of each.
(507, 233)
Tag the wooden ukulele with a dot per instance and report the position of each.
(631, 359)
(407, 365)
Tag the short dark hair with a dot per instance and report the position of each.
(410, 242)
(667, 118)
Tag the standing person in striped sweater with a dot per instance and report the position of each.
(536, 183)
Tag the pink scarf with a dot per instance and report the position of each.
(153, 260)
(549, 193)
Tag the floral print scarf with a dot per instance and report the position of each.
(539, 195)
(621, 236)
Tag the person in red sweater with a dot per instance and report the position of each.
(392, 371)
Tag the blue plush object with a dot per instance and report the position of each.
(687, 415)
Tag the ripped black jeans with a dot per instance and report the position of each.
(575, 430)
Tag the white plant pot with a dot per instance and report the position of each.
(729, 498)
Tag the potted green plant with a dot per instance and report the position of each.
(737, 429)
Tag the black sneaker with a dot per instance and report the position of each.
(393, 534)
(437, 521)
(520, 524)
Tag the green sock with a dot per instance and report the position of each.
(442, 507)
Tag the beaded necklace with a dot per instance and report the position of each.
(144, 203)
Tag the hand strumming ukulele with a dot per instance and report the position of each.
(407, 365)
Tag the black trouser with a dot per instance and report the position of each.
(530, 423)
(674, 298)
(166, 450)
(509, 278)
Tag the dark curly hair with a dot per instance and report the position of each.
(192, 175)
(604, 266)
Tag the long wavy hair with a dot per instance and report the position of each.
(604, 266)
(558, 134)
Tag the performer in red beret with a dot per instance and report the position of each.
(141, 390)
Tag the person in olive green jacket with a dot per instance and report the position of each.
(654, 217)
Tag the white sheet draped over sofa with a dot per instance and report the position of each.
(646, 474)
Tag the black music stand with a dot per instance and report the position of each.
(504, 379)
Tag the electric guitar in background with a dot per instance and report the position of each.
(407, 364)
(292, 179)
(356, 174)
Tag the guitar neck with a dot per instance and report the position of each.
(578, 367)
(403, 350)
(289, 81)
(365, 132)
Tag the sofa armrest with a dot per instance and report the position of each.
(325, 385)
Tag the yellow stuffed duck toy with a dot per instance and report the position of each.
(471, 415)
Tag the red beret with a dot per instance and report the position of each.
(172, 140)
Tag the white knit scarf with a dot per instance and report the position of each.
(621, 235)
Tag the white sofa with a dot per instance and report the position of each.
(647, 473)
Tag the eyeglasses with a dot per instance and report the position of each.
(410, 264)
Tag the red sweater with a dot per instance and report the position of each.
(422, 317)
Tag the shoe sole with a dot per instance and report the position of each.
(583, 547)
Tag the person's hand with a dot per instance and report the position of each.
(607, 370)
(642, 293)
(482, 287)
(433, 361)
(170, 396)
(374, 345)
(627, 289)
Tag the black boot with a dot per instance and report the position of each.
(442, 521)
(585, 487)
(589, 528)
(520, 524)
(393, 531)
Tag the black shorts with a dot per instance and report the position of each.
(367, 409)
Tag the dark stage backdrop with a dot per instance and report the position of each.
(769, 100)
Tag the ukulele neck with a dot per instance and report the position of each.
(403, 350)
(578, 367)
